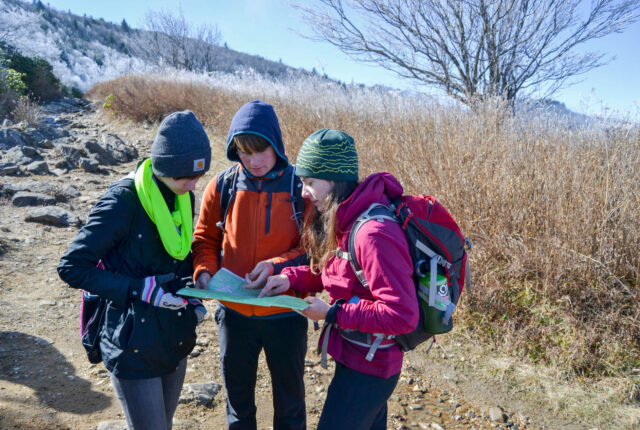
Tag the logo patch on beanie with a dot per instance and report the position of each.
(198, 164)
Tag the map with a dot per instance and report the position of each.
(228, 286)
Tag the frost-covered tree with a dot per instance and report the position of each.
(12, 19)
(172, 41)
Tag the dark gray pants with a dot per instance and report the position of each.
(151, 402)
(285, 345)
(356, 401)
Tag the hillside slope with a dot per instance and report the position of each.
(84, 50)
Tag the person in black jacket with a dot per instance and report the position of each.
(143, 245)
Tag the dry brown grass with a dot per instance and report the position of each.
(552, 209)
(27, 110)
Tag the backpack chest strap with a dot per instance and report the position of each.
(344, 255)
(371, 340)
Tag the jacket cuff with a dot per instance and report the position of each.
(198, 270)
(135, 289)
(277, 267)
(332, 314)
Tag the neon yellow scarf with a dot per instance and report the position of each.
(176, 240)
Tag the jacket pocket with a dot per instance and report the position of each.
(179, 327)
(119, 325)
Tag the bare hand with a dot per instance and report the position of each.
(202, 283)
(275, 285)
(258, 276)
(317, 309)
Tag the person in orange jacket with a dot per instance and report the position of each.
(249, 223)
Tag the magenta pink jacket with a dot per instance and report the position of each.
(389, 306)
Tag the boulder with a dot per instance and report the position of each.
(25, 198)
(9, 169)
(30, 152)
(69, 191)
(89, 164)
(52, 215)
(53, 132)
(21, 155)
(33, 136)
(100, 154)
(118, 148)
(34, 187)
(10, 138)
(46, 144)
(38, 168)
(70, 153)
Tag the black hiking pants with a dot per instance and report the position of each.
(284, 341)
(356, 401)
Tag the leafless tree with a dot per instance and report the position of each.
(171, 40)
(473, 48)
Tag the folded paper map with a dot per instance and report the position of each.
(228, 286)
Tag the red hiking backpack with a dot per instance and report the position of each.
(439, 254)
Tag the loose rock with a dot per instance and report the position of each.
(7, 169)
(20, 155)
(52, 215)
(202, 394)
(24, 198)
(38, 168)
(112, 425)
(10, 138)
(497, 415)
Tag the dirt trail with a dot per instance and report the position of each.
(47, 383)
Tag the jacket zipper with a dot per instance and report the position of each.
(268, 215)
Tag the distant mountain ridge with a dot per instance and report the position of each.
(84, 50)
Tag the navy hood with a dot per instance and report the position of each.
(258, 117)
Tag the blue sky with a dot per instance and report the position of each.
(266, 28)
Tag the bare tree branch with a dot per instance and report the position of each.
(172, 41)
(473, 48)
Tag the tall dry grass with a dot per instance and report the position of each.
(552, 208)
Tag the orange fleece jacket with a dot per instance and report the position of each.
(259, 226)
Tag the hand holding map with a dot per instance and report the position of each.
(228, 286)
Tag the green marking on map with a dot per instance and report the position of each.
(227, 286)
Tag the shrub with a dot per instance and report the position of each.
(11, 89)
(14, 80)
(75, 92)
(27, 110)
(38, 76)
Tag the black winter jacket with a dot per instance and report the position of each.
(138, 340)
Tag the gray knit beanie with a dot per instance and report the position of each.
(181, 146)
(328, 154)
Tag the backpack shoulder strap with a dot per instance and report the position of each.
(227, 194)
(295, 197)
(376, 211)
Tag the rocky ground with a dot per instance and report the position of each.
(50, 176)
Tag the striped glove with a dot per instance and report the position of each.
(153, 293)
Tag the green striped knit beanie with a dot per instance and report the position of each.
(328, 154)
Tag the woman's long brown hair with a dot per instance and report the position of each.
(320, 235)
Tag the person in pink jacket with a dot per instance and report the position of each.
(360, 322)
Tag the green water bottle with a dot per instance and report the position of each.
(434, 321)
